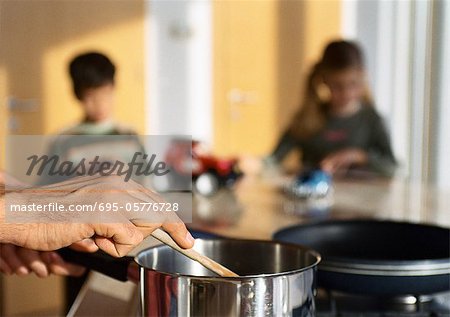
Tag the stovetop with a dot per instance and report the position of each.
(344, 305)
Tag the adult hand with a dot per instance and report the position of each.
(117, 235)
(22, 261)
(341, 160)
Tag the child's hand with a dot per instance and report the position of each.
(250, 165)
(341, 160)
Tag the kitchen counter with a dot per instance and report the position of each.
(257, 207)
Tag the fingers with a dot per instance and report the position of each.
(86, 245)
(332, 163)
(117, 239)
(33, 261)
(179, 233)
(4, 267)
(22, 261)
(172, 224)
(59, 267)
(12, 260)
(342, 160)
(328, 166)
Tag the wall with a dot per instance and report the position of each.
(37, 40)
(263, 51)
(40, 37)
(179, 68)
(441, 96)
(304, 28)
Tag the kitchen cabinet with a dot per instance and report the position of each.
(30, 295)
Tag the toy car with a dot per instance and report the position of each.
(191, 164)
(312, 183)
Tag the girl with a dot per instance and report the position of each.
(337, 127)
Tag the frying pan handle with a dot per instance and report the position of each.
(99, 261)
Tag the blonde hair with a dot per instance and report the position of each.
(337, 56)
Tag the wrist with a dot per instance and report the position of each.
(13, 233)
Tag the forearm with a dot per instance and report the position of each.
(380, 155)
(10, 232)
(284, 146)
(3, 229)
(357, 157)
(384, 165)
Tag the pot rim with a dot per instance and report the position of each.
(314, 265)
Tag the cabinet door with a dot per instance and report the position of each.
(244, 73)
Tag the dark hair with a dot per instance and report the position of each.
(337, 55)
(90, 70)
(340, 55)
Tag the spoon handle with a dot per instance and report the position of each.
(207, 262)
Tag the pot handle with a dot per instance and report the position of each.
(99, 261)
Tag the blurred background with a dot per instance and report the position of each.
(230, 73)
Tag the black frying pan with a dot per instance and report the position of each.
(383, 258)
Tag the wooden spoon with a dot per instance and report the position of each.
(207, 262)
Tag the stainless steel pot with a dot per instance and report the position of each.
(276, 279)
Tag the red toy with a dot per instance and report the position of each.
(209, 173)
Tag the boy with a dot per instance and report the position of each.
(93, 81)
